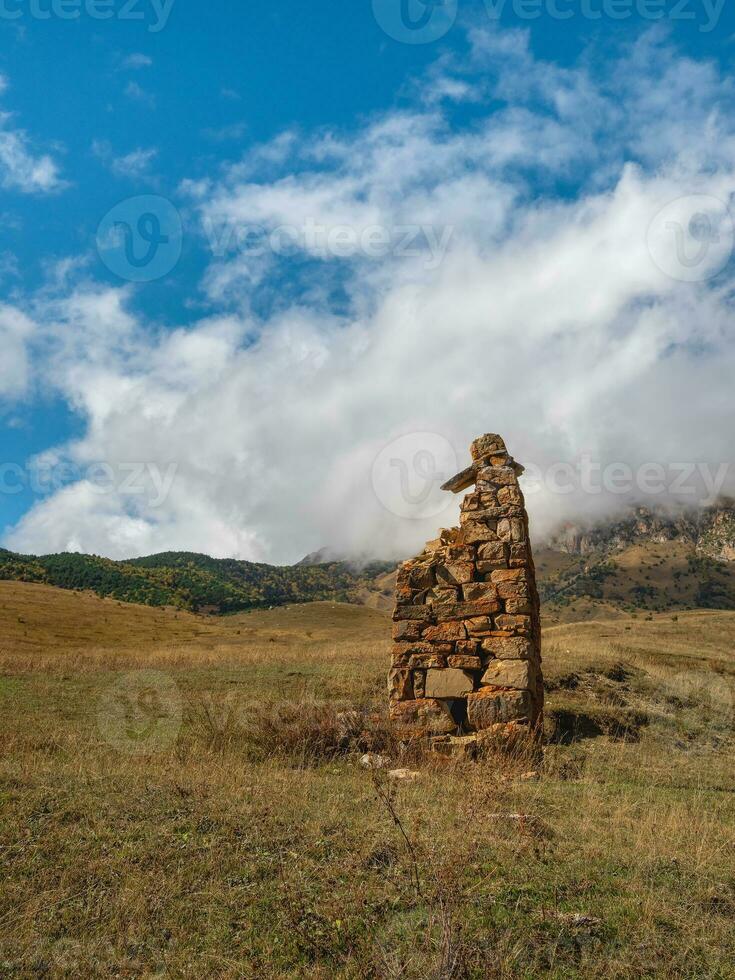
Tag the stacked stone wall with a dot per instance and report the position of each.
(466, 654)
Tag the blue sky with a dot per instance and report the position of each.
(496, 142)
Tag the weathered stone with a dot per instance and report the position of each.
(404, 775)
(516, 624)
(448, 683)
(455, 573)
(518, 606)
(400, 684)
(485, 568)
(461, 552)
(434, 546)
(503, 530)
(512, 590)
(470, 502)
(490, 706)
(492, 551)
(478, 626)
(401, 648)
(427, 660)
(467, 648)
(509, 647)
(508, 575)
(502, 735)
(419, 683)
(443, 596)
(518, 555)
(422, 716)
(445, 632)
(479, 590)
(496, 476)
(488, 445)
(520, 674)
(510, 495)
(373, 760)
(464, 661)
(407, 629)
(463, 610)
(404, 595)
(421, 577)
(422, 613)
(476, 533)
(459, 747)
(461, 481)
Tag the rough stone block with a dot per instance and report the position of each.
(508, 575)
(407, 629)
(419, 683)
(509, 647)
(449, 683)
(455, 573)
(495, 476)
(512, 590)
(445, 632)
(427, 660)
(513, 624)
(421, 577)
(510, 495)
(464, 661)
(478, 626)
(518, 606)
(490, 706)
(480, 592)
(422, 716)
(460, 747)
(400, 685)
(490, 444)
(491, 551)
(465, 610)
(421, 613)
(520, 674)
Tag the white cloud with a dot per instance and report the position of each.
(21, 168)
(16, 331)
(137, 60)
(133, 165)
(548, 319)
(138, 94)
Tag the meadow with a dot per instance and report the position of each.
(182, 796)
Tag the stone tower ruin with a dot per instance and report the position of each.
(466, 653)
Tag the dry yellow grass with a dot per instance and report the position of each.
(211, 857)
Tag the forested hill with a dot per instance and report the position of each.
(191, 581)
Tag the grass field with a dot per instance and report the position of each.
(182, 797)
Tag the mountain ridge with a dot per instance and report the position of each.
(646, 560)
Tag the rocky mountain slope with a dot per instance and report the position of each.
(649, 559)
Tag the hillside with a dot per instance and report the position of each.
(183, 790)
(649, 559)
(190, 581)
